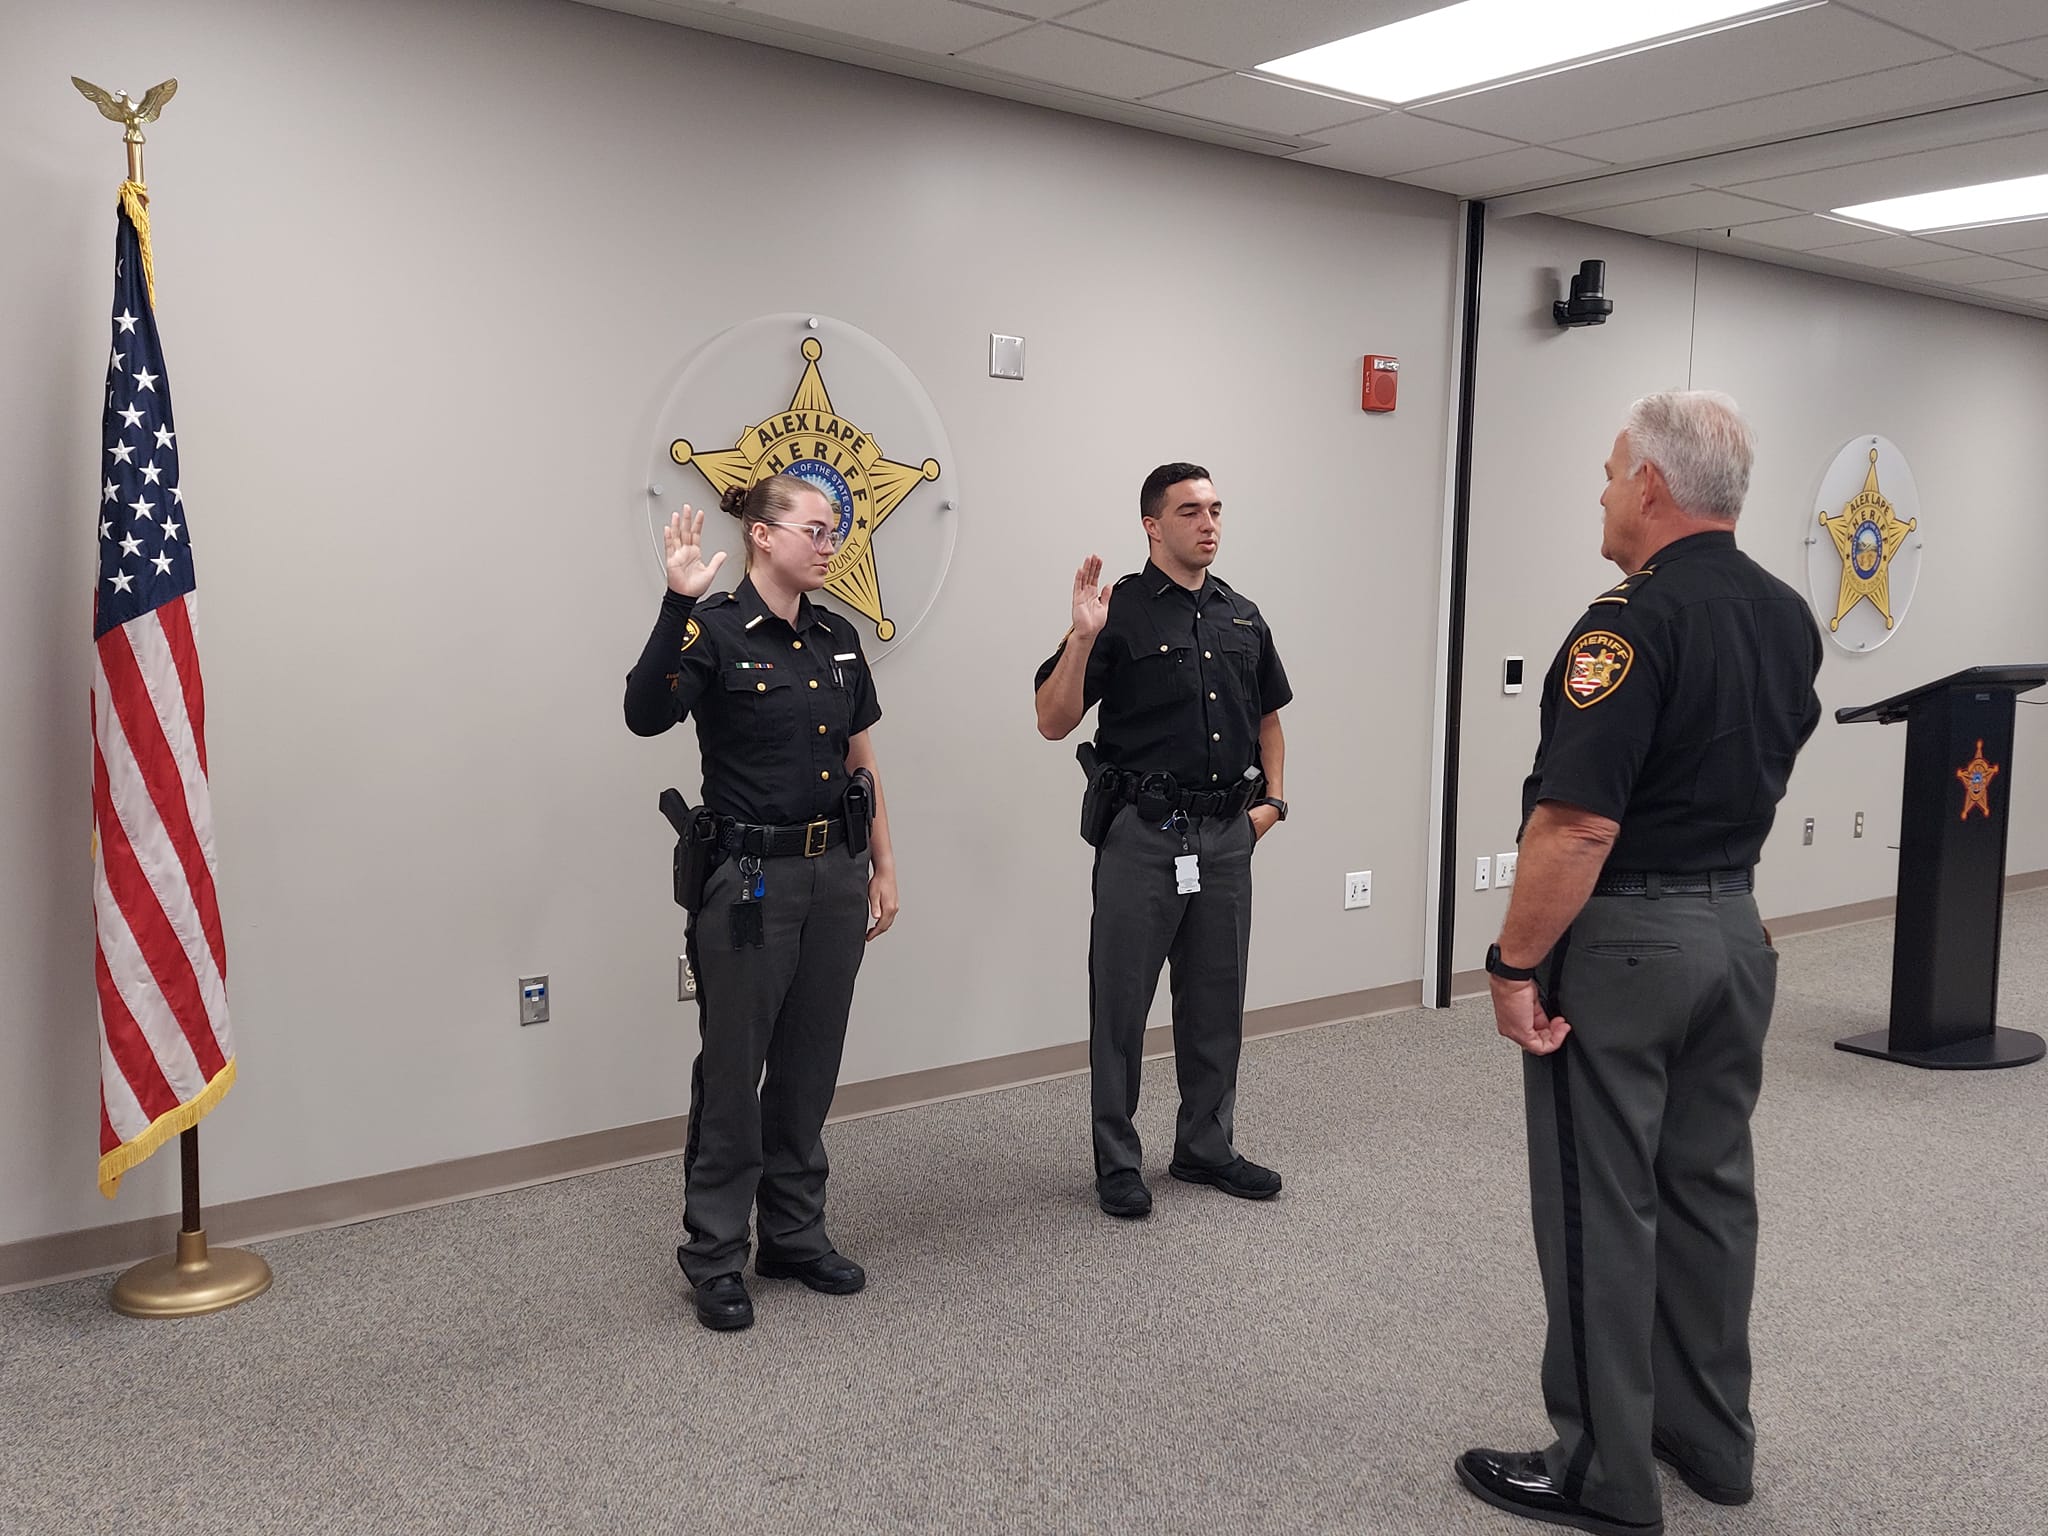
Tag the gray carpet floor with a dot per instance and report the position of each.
(1020, 1363)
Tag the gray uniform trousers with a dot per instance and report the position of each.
(780, 1008)
(1643, 1192)
(1140, 923)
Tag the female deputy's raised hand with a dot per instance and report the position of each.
(689, 574)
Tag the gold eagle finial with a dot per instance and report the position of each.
(120, 107)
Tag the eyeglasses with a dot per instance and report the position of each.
(821, 537)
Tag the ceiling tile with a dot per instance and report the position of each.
(1783, 53)
(2028, 58)
(2033, 256)
(1895, 251)
(1235, 35)
(1491, 174)
(1960, 23)
(1967, 269)
(930, 26)
(1261, 104)
(1998, 239)
(1957, 165)
(2035, 287)
(1103, 68)
(1804, 232)
(1394, 143)
(1684, 210)
(1914, 87)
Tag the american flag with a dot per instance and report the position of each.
(166, 1056)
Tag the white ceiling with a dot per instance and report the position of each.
(1736, 141)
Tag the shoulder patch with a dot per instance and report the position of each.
(692, 633)
(1597, 664)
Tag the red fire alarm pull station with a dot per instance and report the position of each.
(1382, 380)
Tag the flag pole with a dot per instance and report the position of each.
(194, 1279)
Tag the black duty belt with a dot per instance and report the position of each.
(1715, 882)
(809, 838)
(1161, 796)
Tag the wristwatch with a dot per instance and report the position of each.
(1495, 966)
(1277, 804)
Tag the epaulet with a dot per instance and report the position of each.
(1618, 595)
(1122, 579)
(715, 600)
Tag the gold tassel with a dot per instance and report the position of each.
(135, 203)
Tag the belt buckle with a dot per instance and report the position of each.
(815, 834)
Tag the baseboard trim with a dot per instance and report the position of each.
(95, 1250)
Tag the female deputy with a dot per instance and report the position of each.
(800, 877)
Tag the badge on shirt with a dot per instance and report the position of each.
(1598, 661)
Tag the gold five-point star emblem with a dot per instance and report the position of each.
(1867, 533)
(1977, 776)
(810, 440)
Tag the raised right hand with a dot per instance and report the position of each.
(1091, 603)
(689, 575)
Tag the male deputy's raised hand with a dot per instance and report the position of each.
(688, 573)
(1091, 602)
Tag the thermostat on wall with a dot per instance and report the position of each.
(1511, 675)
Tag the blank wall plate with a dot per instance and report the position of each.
(1358, 889)
(1005, 357)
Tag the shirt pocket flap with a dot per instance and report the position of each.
(742, 678)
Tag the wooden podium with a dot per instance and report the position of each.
(1959, 776)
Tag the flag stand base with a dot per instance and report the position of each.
(192, 1282)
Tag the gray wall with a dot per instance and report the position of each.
(1814, 362)
(424, 272)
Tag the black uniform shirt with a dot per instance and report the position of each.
(1183, 678)
(775, 704)
(1678, 706)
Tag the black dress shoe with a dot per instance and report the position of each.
(1240, 1177)
(1520, 1483)
(723, 1304)
(831, 1272)
(1706, 1488)
(1124, 1194)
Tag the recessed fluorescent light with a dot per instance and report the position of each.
(1494, 42)
(1992, 202)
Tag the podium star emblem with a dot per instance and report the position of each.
(812, 441)
(1867, 533)
(1976, 776)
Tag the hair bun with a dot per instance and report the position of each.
(734, 500)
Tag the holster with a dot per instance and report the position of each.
(1103, 797)
(696, 847)
(860, 810)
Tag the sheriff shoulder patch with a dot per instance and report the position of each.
(691, 631)
(1599, 660)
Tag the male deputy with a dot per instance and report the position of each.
(1633, 971)
(1190, 688)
